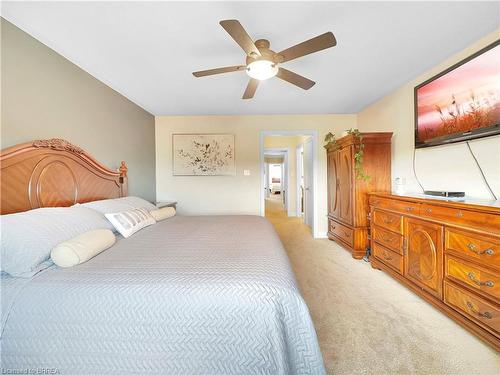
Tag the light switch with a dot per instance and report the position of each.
(246, 172)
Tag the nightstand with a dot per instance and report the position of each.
(162, 204)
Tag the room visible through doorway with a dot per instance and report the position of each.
(288, 176)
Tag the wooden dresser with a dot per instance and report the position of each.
(348, 206)
(448, 252)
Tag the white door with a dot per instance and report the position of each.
(282, 189)
(300, 182)
(266, 180)
(308, 183)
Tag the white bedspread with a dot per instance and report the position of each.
(189, 295)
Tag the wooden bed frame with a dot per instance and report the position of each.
(54, 173)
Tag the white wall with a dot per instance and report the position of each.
(449, 167)
(236, 194)
(275, 172)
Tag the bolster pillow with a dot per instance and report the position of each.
(163, 213)
(82, 248)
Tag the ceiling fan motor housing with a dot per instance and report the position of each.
(266, 53)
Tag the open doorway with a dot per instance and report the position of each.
(288, 170)
(276, 176)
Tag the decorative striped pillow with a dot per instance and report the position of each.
(130, 221)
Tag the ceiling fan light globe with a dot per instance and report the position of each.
(262, 69)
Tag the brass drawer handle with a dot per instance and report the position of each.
(388, 221)
(387, 257)
(472, 278)
(410, 209)
(347, 234)
(387, 239)
(486, 314)
(473, 248)
(429, 210)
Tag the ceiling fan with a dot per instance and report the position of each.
(263, 63)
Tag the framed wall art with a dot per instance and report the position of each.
(203, 154)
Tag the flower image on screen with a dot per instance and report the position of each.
(465, 99)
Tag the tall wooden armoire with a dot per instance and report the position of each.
(348, 207)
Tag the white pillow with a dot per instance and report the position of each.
(82, 247)
(163, 213)
(130, 221)
(28, 237)
(108, 206)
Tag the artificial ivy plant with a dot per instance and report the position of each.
(358, 155)
(329, 139)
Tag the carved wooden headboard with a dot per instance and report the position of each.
(54, 173)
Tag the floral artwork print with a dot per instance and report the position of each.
(203, 154)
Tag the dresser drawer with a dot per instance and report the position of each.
(387, 220)
(393, 241)
(474, 219)
(395, 205)
(475, 308)
(483, 249)
(388, 257)
(346, 234)
(482, 280)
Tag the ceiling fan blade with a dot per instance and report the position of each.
(251, 88)
(316, 44)
(295, 79)
(240, 36)
(227, 69)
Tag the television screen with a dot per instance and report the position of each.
(460, 103)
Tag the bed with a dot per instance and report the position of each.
(188, 295)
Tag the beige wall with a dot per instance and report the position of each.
(236, 194)
(449, 167)
(44, 96)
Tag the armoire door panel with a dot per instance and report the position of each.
(333, 184)
(346, 186)
(424, 254)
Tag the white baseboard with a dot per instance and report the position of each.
(321, 235)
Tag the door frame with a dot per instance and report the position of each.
(298, 164)
(308, 191)
(310, 132)
(286, 174)
(266, 180)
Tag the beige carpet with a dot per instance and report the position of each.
(366, 322)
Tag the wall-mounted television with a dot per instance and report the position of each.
(461, 103)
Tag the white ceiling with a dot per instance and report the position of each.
(147, 51)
